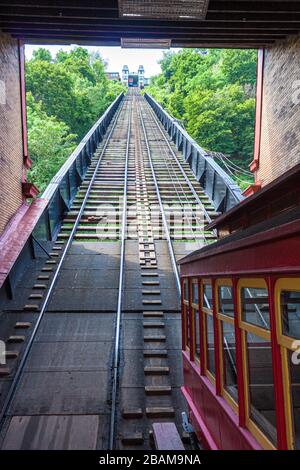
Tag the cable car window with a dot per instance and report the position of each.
(261, 385)
(290, 313)
(255, 306)
(187, 326)
(229, 360)
(294, 373)
(210, 344)
(226, 300)
(207, 296)
(197, 332)
(195, 294)
(185, 290)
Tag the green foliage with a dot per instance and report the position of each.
(213, 95)
(42, 54)
(66, 95)
(50, 143)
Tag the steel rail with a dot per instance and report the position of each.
(181, 198)
(20, 369)
(166, 228)
(116, 356)
(180, 167)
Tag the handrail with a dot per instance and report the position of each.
(223, 192)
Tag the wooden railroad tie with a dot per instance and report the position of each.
(132, 413)
(156, 370)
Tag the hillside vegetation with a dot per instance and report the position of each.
(213, 94)
(65, 96)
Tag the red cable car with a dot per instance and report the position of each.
(241, 324)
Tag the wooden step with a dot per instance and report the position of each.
(36, 296)
(153, 324)
(156, 370)
(51, 261)
(43, 277)
(156, 338)
(31, 307)
(160, 412)
(149, 274)
(151, 302)
(11, 354)
(40, 286)
(4, 371)
(16, 339)
(136, 438)
(47, 269)
(158, 390)
(153, 313)
(155, 353)
(151, 292)
(150, 283)
(132, 413)
(23, 324)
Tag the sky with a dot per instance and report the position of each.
(117, 57)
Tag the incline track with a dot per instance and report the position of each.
(98, 359)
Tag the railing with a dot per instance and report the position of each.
(220, 188)
(64, 185)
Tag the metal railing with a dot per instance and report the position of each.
(223, 192)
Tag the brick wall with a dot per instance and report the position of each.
(11, 150)
(280, 131)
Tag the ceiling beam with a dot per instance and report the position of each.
(226, 6)
(82, 12)
(182, 37)
(134, 32)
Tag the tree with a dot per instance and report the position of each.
(49, 141)
(42, 54)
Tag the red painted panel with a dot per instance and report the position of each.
(211, 415)
(277, 371)
(16, 234)
(23, 102)
(258, 111)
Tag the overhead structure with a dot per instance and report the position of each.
(145, 43)
(178, 23)
(180, 9)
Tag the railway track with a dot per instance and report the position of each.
(99, 346)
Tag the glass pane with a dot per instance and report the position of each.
(229, 360)
(187, 325)
(210, 347)
(226, 300)
(290, 311)
(255, 307)
(185, 290)
(294, 370)
(261, 385)
(207, 296)
(195, 294)
(197, 332)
